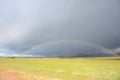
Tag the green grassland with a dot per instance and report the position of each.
(62, 69)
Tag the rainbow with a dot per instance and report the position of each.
(78, 41)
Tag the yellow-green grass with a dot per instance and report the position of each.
(63, 69)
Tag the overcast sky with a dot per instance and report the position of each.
(25, 23)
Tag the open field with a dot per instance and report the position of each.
(59, 69)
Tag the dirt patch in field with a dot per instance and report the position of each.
(11, 75)
(7, 76)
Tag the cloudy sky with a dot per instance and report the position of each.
(25, 23)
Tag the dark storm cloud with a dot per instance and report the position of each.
(25, 23)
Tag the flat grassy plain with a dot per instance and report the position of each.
(60, 69)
